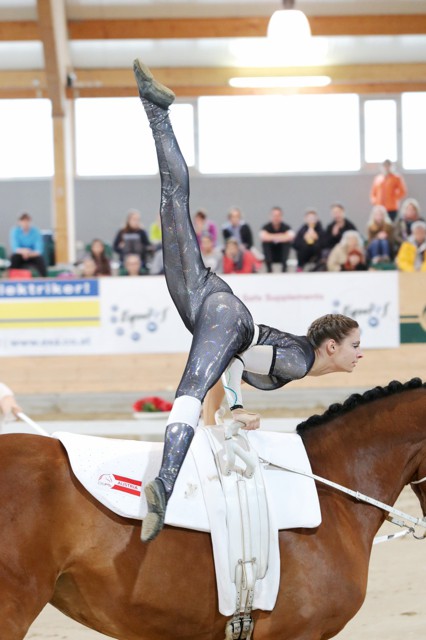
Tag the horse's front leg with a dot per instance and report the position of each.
(19, 607)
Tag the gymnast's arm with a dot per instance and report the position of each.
(257, 359)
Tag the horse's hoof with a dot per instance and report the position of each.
(154, 520)
(151, 89)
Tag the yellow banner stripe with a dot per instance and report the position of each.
(68, 313)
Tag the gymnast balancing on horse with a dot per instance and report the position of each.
(225, 339)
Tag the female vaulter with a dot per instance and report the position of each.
(225, 339)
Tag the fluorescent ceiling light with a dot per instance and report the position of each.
(263, 82)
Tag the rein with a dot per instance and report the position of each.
(420, 522)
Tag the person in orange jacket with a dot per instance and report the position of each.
(412, 253)
(388, 189)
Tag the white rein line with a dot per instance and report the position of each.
(421, 522)
(32, 424)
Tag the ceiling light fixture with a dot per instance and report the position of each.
(288, 25)
(266, 82)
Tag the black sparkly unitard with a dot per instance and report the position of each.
(220, 323)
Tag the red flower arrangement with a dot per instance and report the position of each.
(151, 404)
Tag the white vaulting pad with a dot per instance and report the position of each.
(115, 472)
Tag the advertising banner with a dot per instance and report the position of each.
(137, 315)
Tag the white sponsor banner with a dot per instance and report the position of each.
(292, 301)
(137, 315)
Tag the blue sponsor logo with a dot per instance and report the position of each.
(49, 289)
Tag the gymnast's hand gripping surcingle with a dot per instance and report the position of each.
(224, 334)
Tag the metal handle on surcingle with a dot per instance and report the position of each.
(32, 424)
(232, 449)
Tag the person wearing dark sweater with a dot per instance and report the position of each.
(276, 237)
(337, 227)
(132, 238)
(308, 242)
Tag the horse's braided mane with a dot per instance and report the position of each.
(357, 399)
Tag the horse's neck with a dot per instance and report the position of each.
(369, 449)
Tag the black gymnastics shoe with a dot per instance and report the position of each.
(150, 88)
(157, 502)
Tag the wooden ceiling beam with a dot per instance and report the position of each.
(25, 80)
(193, 81)
(225, 90)
(210, 78)
(176, 77)
(368, 25)
(245, 27)
(53, 30)
(19, 30)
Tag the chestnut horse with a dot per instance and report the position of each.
(60, 546)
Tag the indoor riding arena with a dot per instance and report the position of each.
(305, 145)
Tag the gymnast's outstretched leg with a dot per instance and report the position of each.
(188, 280)
(220, 322)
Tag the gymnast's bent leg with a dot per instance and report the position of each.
(190, 285)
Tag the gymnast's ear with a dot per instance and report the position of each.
(330, 346)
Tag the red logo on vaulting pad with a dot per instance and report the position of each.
(121, 483)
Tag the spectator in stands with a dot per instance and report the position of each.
(133, 265)
(212, 256)
(355, 261)
(412, 253)
(410, 213)
(238, 259)
(26, 243)
(380, 235)
(88, 267)
(277, 238)
(202, 225)
(308, 242)
(339, 257)
(388, 189)
(97, 252)
(132, 238)
(237, 228)
(337, 227)
(155, 234)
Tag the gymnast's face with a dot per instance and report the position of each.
(345, 354)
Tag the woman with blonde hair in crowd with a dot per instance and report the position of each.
(380, 235)
(409, 213)
(348, 254)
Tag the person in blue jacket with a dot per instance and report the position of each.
(26, 243)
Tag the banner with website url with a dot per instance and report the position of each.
(137, 315)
